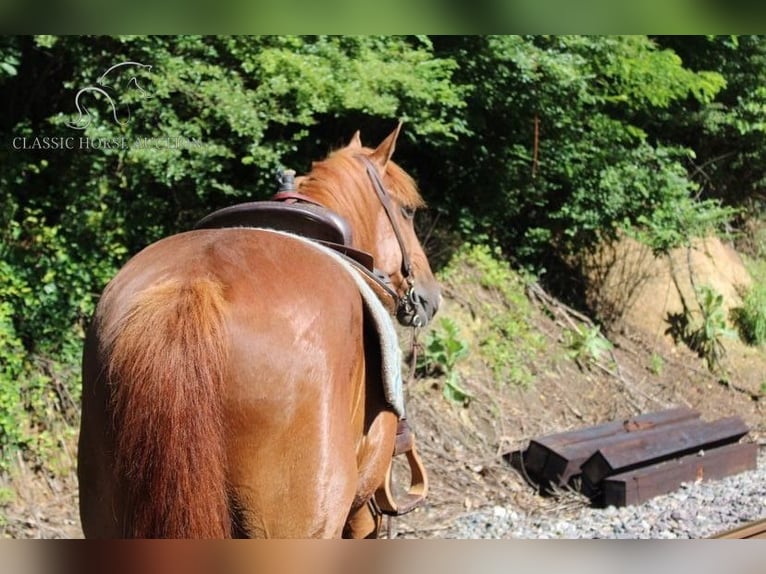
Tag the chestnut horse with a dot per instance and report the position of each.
(229, 387)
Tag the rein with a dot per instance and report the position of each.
(405, 304)
(385, 201)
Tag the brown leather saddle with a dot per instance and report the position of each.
(309, 220)
(305, 219)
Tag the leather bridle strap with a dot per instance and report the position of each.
(385, 201)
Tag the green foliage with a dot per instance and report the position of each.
(12, 364)
(586, 346)
(649, 196)
(728, 133)
(10, 58)
(640, 75)
(750, 319)
(656, 364)
(39, 397)
(562, 156)
(507, 342)
(706, 334)
(7, 496)
(444, 347)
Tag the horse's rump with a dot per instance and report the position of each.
(239, 328)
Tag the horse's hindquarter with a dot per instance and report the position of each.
(299, 370)
(295, 406)
(296, 370)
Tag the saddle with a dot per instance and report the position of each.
(294, 213)
(305, 219)
(291, 213)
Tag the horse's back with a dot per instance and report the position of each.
(290, 402)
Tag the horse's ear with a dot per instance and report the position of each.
(382, 154)
(356, 140)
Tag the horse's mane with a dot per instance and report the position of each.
(331, 179)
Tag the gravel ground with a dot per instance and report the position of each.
(696, 510)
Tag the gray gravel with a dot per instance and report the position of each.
(696, 510)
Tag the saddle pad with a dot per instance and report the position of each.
(391, 356)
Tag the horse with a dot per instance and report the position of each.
(230, 385)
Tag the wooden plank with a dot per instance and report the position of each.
(539, 448)
(565, 462)
(579, 454)
(646, 420)
(557, 457)
(638, 486)
(751, 530)
(641, 449)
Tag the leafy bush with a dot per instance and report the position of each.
(750, 319)
(39, 400)
(561, 154)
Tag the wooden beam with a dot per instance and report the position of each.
(638, 486)
(751, 530)
(556, 458)
(641, 449)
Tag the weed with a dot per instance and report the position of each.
(443, 348)
(706, 337)
(656, 364)
(585, 346)
(7, 497)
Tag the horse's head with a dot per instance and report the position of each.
(379, 199)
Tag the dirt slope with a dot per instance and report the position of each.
(645, 371)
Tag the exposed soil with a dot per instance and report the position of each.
(462, 445)
(646, 371)
(43, 506)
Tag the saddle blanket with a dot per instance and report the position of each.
(391, 355)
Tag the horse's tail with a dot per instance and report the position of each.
(167, 366)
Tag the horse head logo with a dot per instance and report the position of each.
(84, 119)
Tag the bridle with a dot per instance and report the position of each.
(385, 201)
(405, 304)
